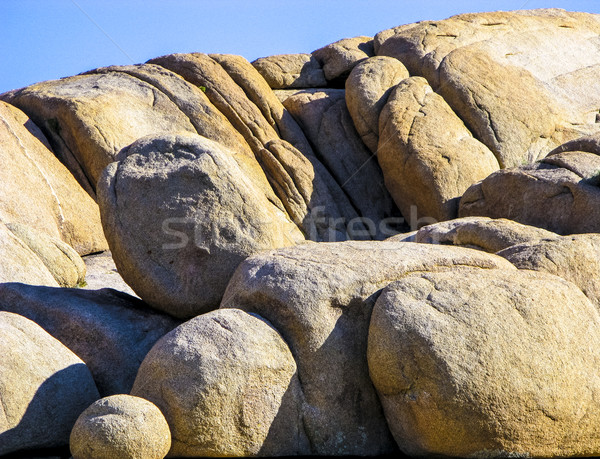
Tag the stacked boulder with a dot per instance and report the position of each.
(259, 212)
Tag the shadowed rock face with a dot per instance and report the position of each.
(43, 387)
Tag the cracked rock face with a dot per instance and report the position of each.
(499, 365)
(46, 197)
(493, 67)
(559, 193)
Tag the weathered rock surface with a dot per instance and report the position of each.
(325, 119)
(120, 426)
(226, 382)
(63, 262)
(110, 331)
(482, 233)
(101, 272)
(20, 263)
(260, 94)
(191, 100)
(480, 363)
(43, 387)
(319, 297)
(88, 119)
(45, 196)
(200, 215)
(559, 193)
(287, 71)
(493, 67)
(310, 195)
(367, 91)
(574, 258)
(338, 59)
(428, 156)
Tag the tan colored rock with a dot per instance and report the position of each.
(487, 363)
(110, 331)
(428, 157)
(325, 119)
(180, 214)
(43, 387)
(226, 382)
(120, 426)
(90, 118)
(367, 91)
(20, 263)
(312, 198)
(320, 297)
(482, 233)
(191, 100)
(37, 190)
(65, 265)
(559, 193)
(286, 71)
(574, 258)
(492, 67)
(259, 92)
(338, 59)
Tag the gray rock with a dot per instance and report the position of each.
(320, 297)
(180, 213)
(43, 387)
(120, 426)
(227, 384)
(109, 330)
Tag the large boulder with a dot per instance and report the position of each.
(110, 331)
(574, 258)
(43, 387)
(287, 71)
(367, 90)
(324, 117)
(487, 363)
(339, 58)
(39, 191)
(120, 426)
(428, 156)
(88, 119)
(559, 193)
(482, 233)
(311, 196)
(493, 67)
(227, 384)
(320, 297)
(180, 213)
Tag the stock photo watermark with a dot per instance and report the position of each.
(183, 231)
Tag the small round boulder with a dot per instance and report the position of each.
(121, 426)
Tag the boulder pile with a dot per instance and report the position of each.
(389, 245)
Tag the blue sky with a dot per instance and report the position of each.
(47, 39)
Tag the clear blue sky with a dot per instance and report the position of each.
(47, 39)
